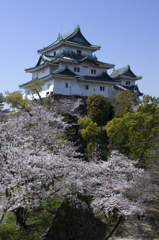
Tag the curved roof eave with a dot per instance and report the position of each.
(34, 69)
(45, 50)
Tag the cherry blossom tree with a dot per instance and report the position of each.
(115, 184)
(37, 162)
(33, 159)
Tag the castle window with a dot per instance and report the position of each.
(76, 69)
(66, 85)
(78, 53)
(102, 88)
(54, 53)
(93, 71)
(86, 87)
(127, 83)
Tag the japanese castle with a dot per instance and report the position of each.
(68, 66)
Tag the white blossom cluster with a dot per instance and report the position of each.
(36, 162)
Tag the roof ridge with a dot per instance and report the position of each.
(68, 34)
(60, 69)
(46, 58)
(120, 68)
(60, 38)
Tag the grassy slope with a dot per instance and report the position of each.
(37, 223)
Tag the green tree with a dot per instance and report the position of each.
(98, 109)
(35, 86)
(15, 100)
(136, 128)
(148, 104)
(124, 103)
(89, 132)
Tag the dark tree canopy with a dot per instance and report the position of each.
(98, 108)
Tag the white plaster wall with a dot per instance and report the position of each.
(57, 50)
(123, 82)
(41, 74)
(61, 64)
(94, 88)
(45, 86)
(34, 75)
(85, 71)
(73, 87)
(60, 87)
(53, 68)
(66, 91)
(111, 89)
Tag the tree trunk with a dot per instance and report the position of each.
(77, 127)
(115, 227)
(20, 217)
(101, 127)
(41, 100)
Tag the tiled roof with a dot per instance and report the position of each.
(24, 84)
(64, 71)
(133, 88)
(103, 77)
(94, 61)
(119, 71)
(72, 36)
(126, 71)
(59, 39)
(43, 59)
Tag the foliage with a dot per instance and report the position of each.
(149, 105)
(89, 132)
(28, 167)
(113, 99)
(1, 101)
(115, 184)
(98, 108)
(72, 120)
(37, 223)
(136, 128)
(124, 103)
(35, 86)
(16, 100)
(35, 165)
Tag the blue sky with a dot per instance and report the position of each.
(127, 30)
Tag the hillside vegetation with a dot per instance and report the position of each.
(80, 170)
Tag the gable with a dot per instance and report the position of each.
(64, 71)
(79, 38)
(68, 72)
(129, 73)
(41, 62)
